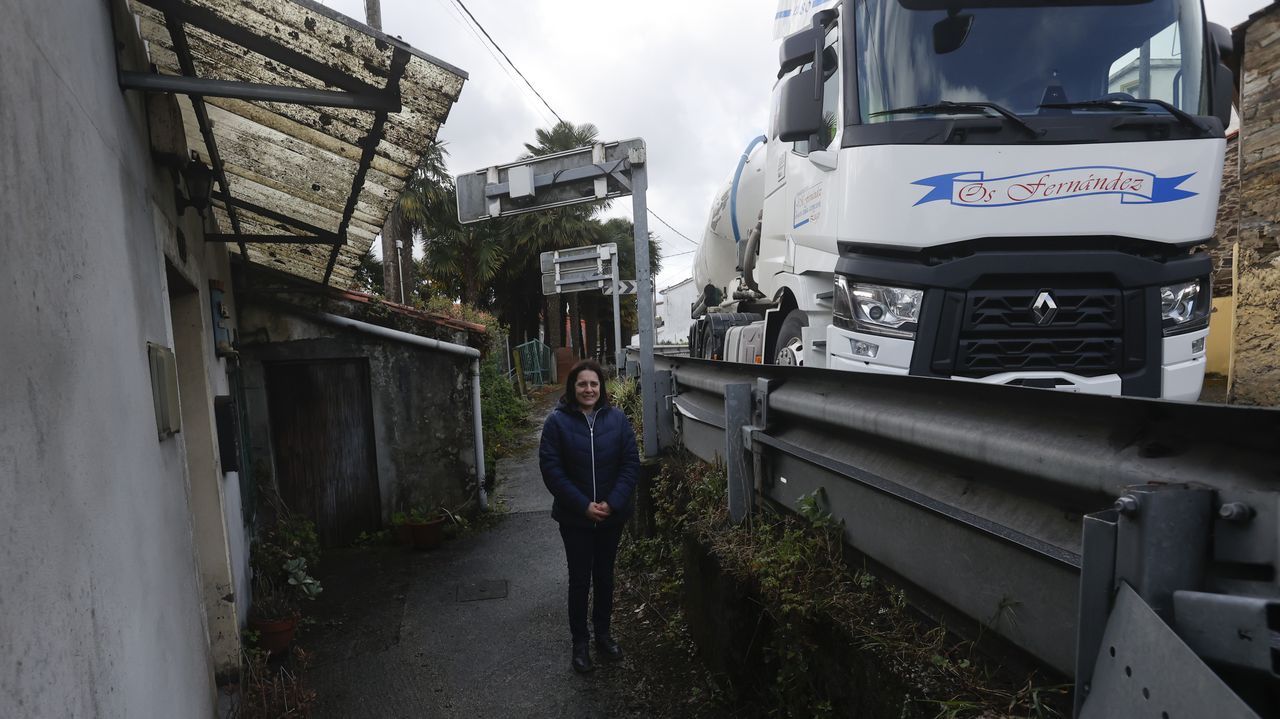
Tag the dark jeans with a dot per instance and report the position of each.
(591, 552)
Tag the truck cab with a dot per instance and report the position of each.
(1002, 191)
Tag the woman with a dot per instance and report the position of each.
(589, 462)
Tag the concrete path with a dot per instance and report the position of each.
(474, 629)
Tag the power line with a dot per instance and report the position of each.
(458, 17)
(504, 55)
(668, 224)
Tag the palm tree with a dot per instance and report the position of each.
(458, 261)
(562, 136)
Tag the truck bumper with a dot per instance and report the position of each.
(1182, 369)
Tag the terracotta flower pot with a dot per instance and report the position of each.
(429, 535)
(403, 534)
(274, 635)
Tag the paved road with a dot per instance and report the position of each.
(402, 634)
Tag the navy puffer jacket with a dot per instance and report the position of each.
(583, 462)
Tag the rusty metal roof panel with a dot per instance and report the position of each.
(293, 168)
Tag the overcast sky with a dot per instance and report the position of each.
(691, 78)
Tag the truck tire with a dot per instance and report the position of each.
(790, 346)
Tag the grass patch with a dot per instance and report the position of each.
(827, 637)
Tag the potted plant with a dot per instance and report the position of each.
(273, 615)
(281, 582)
(401, 529)
(428, 529)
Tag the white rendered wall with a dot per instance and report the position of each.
(675, 312)
(100, 598)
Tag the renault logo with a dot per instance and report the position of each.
(1044, 309)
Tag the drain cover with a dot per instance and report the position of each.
(483, 589)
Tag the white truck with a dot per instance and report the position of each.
(1004, 191)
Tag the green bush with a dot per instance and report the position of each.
(624, 393)
(502, 409)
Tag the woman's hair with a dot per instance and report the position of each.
(571, 397)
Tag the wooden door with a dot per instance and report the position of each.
(322, 434)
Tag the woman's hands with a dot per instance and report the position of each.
(598, 511)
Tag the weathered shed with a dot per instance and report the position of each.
(350, 426)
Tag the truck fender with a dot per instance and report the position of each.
(773, 319)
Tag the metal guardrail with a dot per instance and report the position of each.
(976, 495)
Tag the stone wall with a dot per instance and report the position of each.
(1256, 374)
(1227, 230)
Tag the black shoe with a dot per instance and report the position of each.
(582, 658)
(607, 648)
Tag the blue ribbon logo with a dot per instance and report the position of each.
(974, 189)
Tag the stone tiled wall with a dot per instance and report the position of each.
(1256, 376)
(1227, 230)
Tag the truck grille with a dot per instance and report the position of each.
(999, 332)
(1090, 356)
(1010, 310)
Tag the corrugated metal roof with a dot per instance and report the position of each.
(292, 168)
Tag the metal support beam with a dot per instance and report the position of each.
(644, 300)
(273, 215)
(271, 239)
(399, 59)
(1144, 669)
(183, 50)
(207, 87)
(1224, 629)
(210, 21)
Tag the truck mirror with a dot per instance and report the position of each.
(1224, 92)
(797, 50)
(802, 47)
(1224, 73)
(799, 112)
(1221, 38)
(950, 32)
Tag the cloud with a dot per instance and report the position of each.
(692, 79)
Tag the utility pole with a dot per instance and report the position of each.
(397, 240)
(373, 13)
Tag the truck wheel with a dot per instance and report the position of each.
(790, 348)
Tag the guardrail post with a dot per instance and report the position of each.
(666, 389)
(737, 421)
(1132, 654)
(760, 418)
(1162, 541)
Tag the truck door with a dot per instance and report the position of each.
(801, 182)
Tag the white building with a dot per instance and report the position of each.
(672, 313)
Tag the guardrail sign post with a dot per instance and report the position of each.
(586, 174)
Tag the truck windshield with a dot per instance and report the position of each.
(1022, 54)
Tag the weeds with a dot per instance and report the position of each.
(814, 603)
(275, 690)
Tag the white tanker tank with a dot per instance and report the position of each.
(734, 215)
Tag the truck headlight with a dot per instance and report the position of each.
(1185, 306)
(876, 309)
